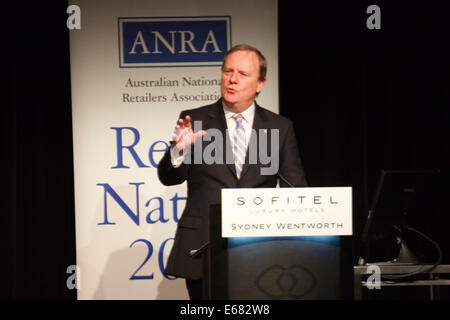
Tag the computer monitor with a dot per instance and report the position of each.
(406, 221)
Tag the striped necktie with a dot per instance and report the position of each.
(239, 144)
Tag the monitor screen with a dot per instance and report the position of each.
(408, 203)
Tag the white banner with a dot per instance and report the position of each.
(285, 212)
(134, 66)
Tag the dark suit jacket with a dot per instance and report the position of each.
(204, 182)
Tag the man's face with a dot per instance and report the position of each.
(240, 82)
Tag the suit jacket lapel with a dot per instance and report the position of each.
(259, 122)
(217, 121)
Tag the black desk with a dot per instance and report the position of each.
(439, 276)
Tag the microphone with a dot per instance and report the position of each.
(195, 253)
(285, 180)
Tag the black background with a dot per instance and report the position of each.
(361, 100)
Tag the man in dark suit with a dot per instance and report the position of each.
(234, 116)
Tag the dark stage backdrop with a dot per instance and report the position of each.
(365, 100)
(361, 100)
(38, 221)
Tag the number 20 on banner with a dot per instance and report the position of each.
(73, 281)
(135, 275)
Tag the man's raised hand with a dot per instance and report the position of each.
(184, 136)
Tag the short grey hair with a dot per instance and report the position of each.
(246, 47)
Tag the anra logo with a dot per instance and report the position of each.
(169, 42)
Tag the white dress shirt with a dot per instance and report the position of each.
(247, 122)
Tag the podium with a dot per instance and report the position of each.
(269, 268)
